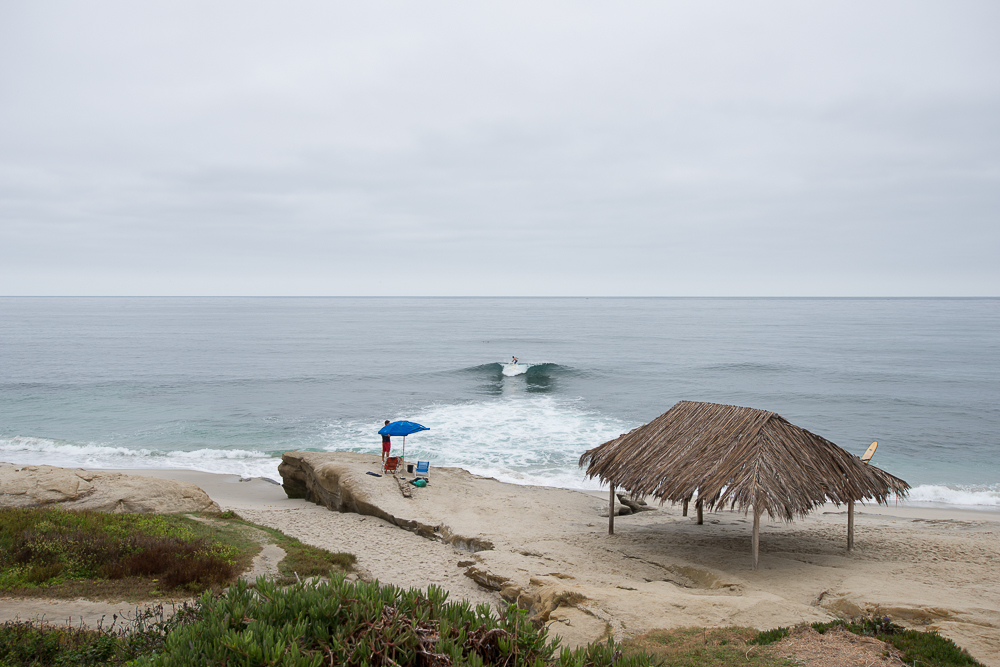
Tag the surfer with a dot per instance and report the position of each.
(386, 444)
(513, 360)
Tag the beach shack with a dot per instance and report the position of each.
(736, 458)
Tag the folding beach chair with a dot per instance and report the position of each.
(423, 469)
(390, 465)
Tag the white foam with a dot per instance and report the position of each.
(519, 438)
(981, 496)
(42, 451)
(510, 370)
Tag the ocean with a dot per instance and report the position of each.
(228, 384)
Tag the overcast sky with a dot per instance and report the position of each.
(468, 148)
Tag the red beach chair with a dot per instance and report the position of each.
(390, 465)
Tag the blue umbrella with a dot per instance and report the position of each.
(402, 428)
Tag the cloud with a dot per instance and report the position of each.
(533, 148)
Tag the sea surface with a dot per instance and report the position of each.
(228, 384)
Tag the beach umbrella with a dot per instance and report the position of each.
(402, 428)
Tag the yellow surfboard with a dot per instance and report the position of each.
(870, 453)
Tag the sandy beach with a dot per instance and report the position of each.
(926, 568)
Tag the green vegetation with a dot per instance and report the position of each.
(344, 623)
(64, 553)
(61, 553)
(924, 648)
(25, 644)
(770, 636)
(339, 622)
(720, 647)
(58, 553)
(704, 647)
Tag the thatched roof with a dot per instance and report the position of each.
(737, 458)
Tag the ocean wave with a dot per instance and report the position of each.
(522, 438)
(499, 378)
(28, 450)
(980, 495)
(541, 368)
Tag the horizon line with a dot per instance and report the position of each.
(473, 296)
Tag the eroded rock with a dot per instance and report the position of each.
(341, 481)
(102, 491)
(486, 579)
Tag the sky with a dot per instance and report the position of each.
(500, 149)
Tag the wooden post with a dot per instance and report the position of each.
(850, 525)
(756, 537)
(701, 516)
(611, 511)
(685, 507)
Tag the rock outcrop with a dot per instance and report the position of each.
(342, 481)
(102, 491)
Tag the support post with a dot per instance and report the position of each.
(685, 513)
(756, 537)
(611, 511)
(701, 516)
(850, 525)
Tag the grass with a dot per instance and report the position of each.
(50, 552)
(722, 647)
(925, 648)
(703, 647)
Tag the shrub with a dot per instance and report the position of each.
(343, 623)
(28, 644)
(925, 648)
(769, 636)
(42, 547)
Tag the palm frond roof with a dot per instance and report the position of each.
(738, 458)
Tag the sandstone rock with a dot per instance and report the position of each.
(842, 607)
(634, 505)
(550, 596)
(486, 579)
(511, 592)
(575, 627)
(39, 486)
(621, 510)
(339, 481)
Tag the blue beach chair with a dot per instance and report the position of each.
(423, 469)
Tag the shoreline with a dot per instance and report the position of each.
(169, 472)
(931, 568)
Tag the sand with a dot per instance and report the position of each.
(926, 568)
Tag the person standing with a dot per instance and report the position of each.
(386, 444)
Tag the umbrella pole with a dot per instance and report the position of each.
(611, 510)
(402, 454)
(756, 536)
(850, 525)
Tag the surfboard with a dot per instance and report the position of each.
(870, 453)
